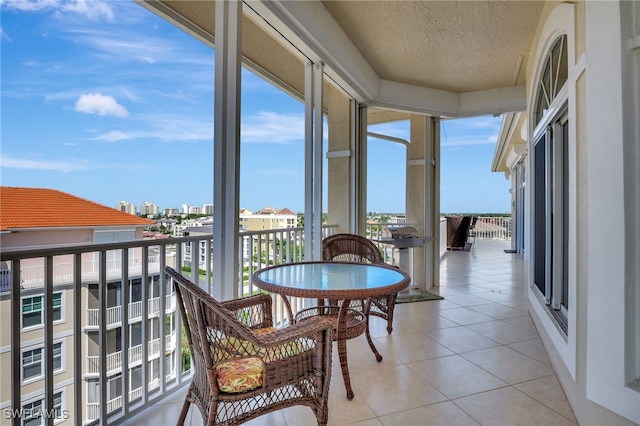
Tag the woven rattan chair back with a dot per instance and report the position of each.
(296, 361)
(356, 248)
(350, 248)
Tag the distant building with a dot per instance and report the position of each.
(178, 229)
(267, 218)
(148, 209)
(171, 212)
(62, 220)
(127, 207)
(207, 209)
(190, 209)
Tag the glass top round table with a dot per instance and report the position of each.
(331, 280)
(335, 281)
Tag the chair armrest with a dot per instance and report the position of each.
(299, 330)
(254, 311)
(245, 302)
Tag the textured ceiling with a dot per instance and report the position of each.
(458, 46)
(401, 55)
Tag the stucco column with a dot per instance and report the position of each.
(339, 159)
(226, 149)
(416, 191)
(422, 198)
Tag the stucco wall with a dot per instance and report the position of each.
(590, 359)
(339, 168)
(34, 239)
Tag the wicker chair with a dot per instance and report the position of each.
(242, 366)
(355, 248)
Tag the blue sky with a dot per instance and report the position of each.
(108, 102)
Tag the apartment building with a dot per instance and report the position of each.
(127, 207)
(149, 209)
(67, 221)
(267, 218)
(207, 209)
(173, 211)
(191, 209)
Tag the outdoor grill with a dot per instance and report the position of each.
(404, 238)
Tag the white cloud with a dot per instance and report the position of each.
(22, 163)
(113, 136)
(168, 128)
(4, 35)
(73, 165)
(30, 5)
(97, 103)
(270, 127)
(92, 9)
(137, 46)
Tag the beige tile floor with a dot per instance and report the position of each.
(473, 358)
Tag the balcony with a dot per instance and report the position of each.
(114, 317)
(114, 364)
(480, 335)
(473, 358)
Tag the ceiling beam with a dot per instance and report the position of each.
(309, 26)
(441, 103)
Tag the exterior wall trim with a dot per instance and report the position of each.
(560, 21)
(605, 317)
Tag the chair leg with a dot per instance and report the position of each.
(391, 303)
(370, 342)
(185, 410)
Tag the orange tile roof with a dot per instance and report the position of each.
(49, 208)
(285, 211)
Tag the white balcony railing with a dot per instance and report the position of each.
(171, 375)
(114, 364)
(153, 308)
(135, 311)
(154, 384)
(135, 394)
(114, 404)
(493, 228)
(259, 249)
(170, 342)
(33, 276)
(93, 411)
(135, 355)
(153, 349)
(170, 303)
(114, 317)
(94, 408)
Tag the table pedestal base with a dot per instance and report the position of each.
(348, 323)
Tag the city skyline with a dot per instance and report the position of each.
(82, 115)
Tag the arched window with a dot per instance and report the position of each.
(551, 183)
(553, 77)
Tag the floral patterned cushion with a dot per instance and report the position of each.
(240, 374)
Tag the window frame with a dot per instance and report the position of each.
(57, 296)
(39, 403)
(60, 356)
